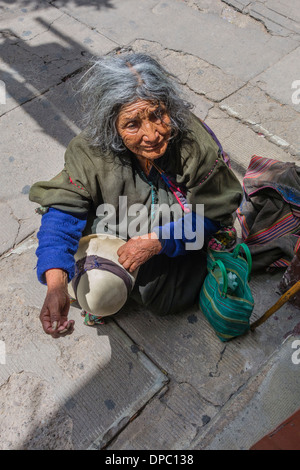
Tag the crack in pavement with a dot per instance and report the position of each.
(249, 10)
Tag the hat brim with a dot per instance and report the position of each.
(100, 292)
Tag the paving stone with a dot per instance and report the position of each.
(66, 44)
(279, 84)
(213, 6)
(279, 123)
(279, 17)
(9, 228)
(187, 348)
(134, 17)
(179, 27)
(237, 18)
(50, 121)
(90, 383)
(23, 73)
(25, 215)
(41, 50)
(25, 161)
(238, 4)
(202, 371)
(289, 10)
(27, 404)
(201, 77)
(177, 64)
(241, 142)
(268, 399)
(22, 16)
(171, 421)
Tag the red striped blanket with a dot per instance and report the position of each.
(270, 211)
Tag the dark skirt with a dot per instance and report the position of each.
(170, 285)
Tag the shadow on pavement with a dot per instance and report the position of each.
(97, 4)
(40, 72)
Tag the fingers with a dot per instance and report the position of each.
(134, 253)
(126, 263)
(66, 329)
(54, 314)
(56, 328)
(125, 256)
(129, 262)
(50, 327)
(131, 266)
(45, 320)
(122, 254)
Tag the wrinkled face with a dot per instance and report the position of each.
(144, 128)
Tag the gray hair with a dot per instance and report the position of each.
(114, 81)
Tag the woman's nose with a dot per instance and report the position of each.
(150, 132)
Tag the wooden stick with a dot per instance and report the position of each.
(283, 299)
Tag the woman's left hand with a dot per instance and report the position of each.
(138, 250)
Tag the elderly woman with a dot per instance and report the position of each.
(142, 142)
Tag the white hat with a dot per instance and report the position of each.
(101, 285)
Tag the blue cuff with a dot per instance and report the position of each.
(58, 237)
(190, 232)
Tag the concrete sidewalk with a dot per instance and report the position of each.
(138, 381)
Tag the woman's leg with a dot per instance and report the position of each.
(169, 285)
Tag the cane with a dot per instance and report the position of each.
(283, 299)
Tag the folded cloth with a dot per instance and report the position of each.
(270, 212)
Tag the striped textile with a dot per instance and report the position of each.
(270, 210)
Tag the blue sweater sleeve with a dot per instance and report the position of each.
(187, 233)
(58, 236)
(60, 233)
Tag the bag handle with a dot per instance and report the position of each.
(247, 253)
(224, 273)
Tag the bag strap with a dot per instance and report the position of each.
(224, 273)
(236, 252)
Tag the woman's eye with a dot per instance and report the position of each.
(131, 125)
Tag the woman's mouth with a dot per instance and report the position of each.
(153, 147)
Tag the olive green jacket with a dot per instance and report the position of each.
(90, 178)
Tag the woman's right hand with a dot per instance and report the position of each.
(54, 313)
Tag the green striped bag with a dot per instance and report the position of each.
(225, 297)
